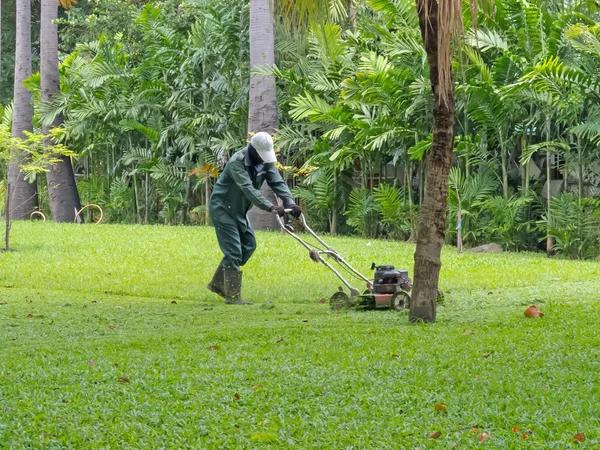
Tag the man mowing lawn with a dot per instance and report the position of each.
(236, 190)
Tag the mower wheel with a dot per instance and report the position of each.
(400, 301)
(339, 300)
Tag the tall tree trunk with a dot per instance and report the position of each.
(24, 194)
(62, 189)
(263, 95)
(579, 173)
(432, 220)
(549, 239)
(523, 168)
(504, 161)
(186, 206)
(146, 199)
(352, 15)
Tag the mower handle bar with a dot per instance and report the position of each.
(329, 252)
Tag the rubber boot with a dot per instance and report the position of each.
(217, 284)
(233, 287)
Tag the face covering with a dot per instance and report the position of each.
(255, 158)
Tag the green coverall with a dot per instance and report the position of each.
(236, 190)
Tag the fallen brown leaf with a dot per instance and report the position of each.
(468, 332)
(123, 380)
(30, 315)
(92, 362)
(212, 348)
(256, 387)
(279, 340)
(486, 355)
(323, 300)
(579, 437)
(440, 407)
(435, 435)
(533, 312)
(236, 396)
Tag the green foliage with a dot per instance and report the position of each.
(92, 190)
(507, 222)
(362, 212)
(151, 93)
(159, 99)
(469, 194)
(29, 153)
(395, 212)
(574, 225)
(325, 193)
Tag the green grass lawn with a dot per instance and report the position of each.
(82, 307)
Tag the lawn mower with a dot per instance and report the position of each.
(389, 288)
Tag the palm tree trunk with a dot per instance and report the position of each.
(432, 220)
(262, 114)
(549, 239)
(334, 210)
(504, 161)
(579, 174)
(186, 205)
(147, 196)
(352, 15)
(62, 189)
(24, 194)
(523, 167)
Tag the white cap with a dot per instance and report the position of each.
(263, 144)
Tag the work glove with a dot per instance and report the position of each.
(279, 210)
(295, 210)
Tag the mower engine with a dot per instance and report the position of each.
(390, 288)
(388, 280)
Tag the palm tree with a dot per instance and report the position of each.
(262, 114)
(62, 189)
(437, 22)
(23, 194)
